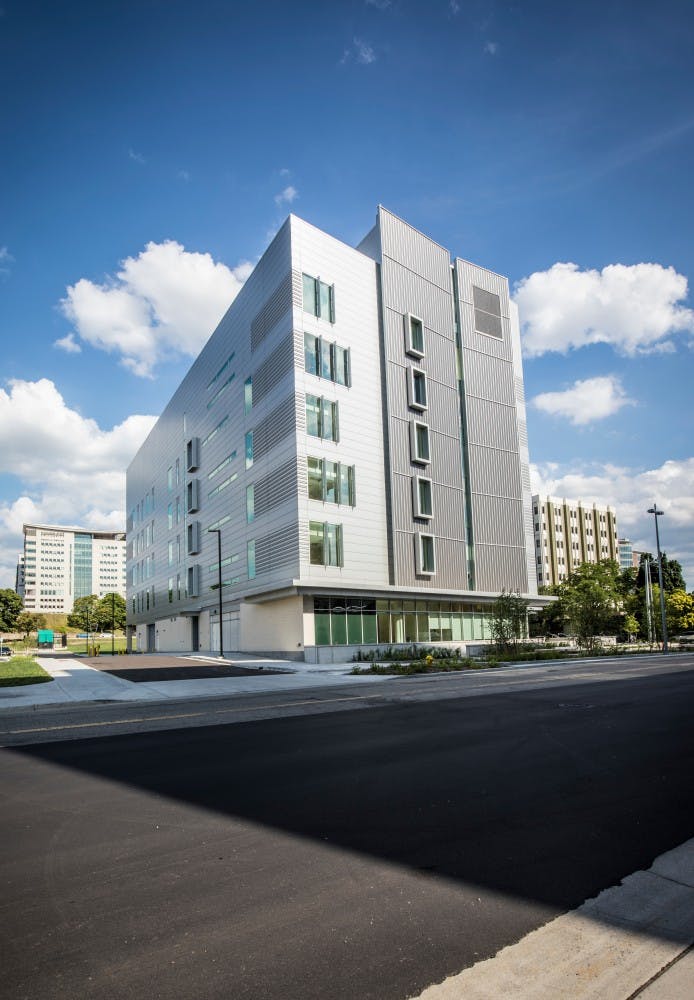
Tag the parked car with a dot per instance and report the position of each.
(5, 651)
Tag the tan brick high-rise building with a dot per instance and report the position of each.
(569, 533)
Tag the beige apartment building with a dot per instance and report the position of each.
(569, 533)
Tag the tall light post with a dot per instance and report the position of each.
(218, 533)
(113, 623)
(656, 514)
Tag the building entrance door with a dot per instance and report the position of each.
(151, 639)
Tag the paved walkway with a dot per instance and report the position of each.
(76, 681)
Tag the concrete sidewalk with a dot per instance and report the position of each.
(76, 681)
(633, 940)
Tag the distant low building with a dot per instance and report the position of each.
(62, 563)
(569, 533)
(626, 554)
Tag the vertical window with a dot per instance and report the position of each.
(250, 503)
(178, 471)
(250, 559)
(178, 548)
(316, 533)
(414, 336)
(419, 439)
(417, 388)
(326, 365)
(178, 509)
(169, 478)
(313, 411)
(333, 545)
(326, 301)
(249, 449)
(331, 481)
(329, 428)
(422, 497)
(178, 586)
(347, 492)
(315, 478)
(426, 557)
(341, 373)
(170, 553)
(248, 395)
(310, 298)
(311, 344)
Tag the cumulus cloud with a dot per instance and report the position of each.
(634, 308)
(287, 196)
(631, 492)
(165, 302)
(136, 157)
(586, 401)
(491, 48)
(70, 469)
(6, 259)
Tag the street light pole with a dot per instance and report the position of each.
(218, 533)
(656, 514)
(113, 622)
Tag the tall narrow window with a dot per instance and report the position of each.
(331, 481)
(426, 556)
(333, 545)
(422, 497)
(341, 372)
(169, 477)
(316, 534)
(414, 336)
(310, 297)
(249, 449)
(250, 559)
(417, 389)
(347, 491)
(250, 503)
(248, 395)
(315, 478)
(419, 441)
(326, 365)
(169, 515)
(325, 544)
(311, 345)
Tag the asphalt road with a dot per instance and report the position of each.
(344, 854)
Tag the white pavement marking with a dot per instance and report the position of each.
(610, 947)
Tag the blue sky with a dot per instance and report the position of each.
(176, 136)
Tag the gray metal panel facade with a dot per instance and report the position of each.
(416, 279)
(499, 493)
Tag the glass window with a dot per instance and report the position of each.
(329, 429)
(311, 346)
(250, 503)
(354, 629)
(415, 336)
(170, 553)
(316, 531)
(322, 626)
(169, 515)
(250, 559)
(315, 478)
(169, 477)
(326, 363)
(338, 624)
(424, 505)
(248, 395)
(326, 302)
(427, 561)
(313, 415)
(178, 471)
(347, 491)
(420, 441)
(341, 365)
(418, 389)
(333, 545)
(310, 299)
(331, 481)
(249, 449)
(368, 622)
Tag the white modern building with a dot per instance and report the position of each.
(63, 563)
(355, 430)
(569, 533)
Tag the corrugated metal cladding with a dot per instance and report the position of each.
(273, 369)
(491, 424)
(494, 472)
(279, 303)
(276, 488)
(277, 425)
(415, 251)
(281, 548)
(416, 280)
(497, 562)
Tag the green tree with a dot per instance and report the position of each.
(672, 572)
(110, 611)
(27, 622)
(679, 612)
(590, 599)
(10, 609)
(631, 626)
(84, 614)
(509, 619)
(549, 620)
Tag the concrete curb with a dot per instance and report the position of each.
(629, 941)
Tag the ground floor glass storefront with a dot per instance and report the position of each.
(355, 621)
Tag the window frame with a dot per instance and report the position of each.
(416, 457)
(421, 537)
(417, 376)
(410, 346)
(419, 512)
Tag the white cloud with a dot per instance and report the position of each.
(361, 51)
(136, 157)
(631, 492)
(379, 4)
(287, 196)
(635, 308)
(68, 344)
(70, 470)
(6, 259)
(491, 48)
(587, 400)
(454, 6)
(164, 302)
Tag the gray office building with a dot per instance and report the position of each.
(355, 429)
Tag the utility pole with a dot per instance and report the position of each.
(656, 514)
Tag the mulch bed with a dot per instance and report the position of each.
(143, 668)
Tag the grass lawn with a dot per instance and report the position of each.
(80, 645)
(22, 670)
